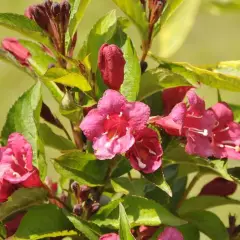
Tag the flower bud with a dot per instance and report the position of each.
(29, 12)
(75, 187)
(110, 236)
(41, 17)
(17, 50)
(219, 187)
(111, 64)
(55, 8)
(156, 8)
(88, 203)
(78, 210)
(65, 14)
(84, 192)
(95, 207)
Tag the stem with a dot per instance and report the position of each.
(146, 45)
(189, 188)
(77, 136)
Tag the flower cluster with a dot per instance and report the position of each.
(209, 132)
(117, 126)
(16, 168)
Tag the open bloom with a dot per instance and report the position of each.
(13, 46)
(219, 187)
(112, 124)
(170, 233)
(16, 165)
(111, 64)
(146, 153)
(110, 236)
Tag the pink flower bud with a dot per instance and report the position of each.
(17, 50)
(170, 233)
(111, 64)
(219, 187)
(146, 232)
(110, 236)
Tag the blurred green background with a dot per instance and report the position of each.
(213, 38)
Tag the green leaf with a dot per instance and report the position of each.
(23, 25)
(39, 59)
(134, 10)
(101, 32)
(82, 167)
(170, 8)
(204, 202)
(132, 72)
(55, 224)
(236, 112)
(194, 75)
(125, 230)
(3, 232)
(125, 186)
(175, 153)
(21, 200)
(24, 118)
(78, 9)
(60, 75)
(53, 140)
(122, 168)
(209, 224)
(140, 211)
(158, 79)
(231, 68)
(189, 231)
(88, 229)
(175, 30)
(159, 180)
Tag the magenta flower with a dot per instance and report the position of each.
(146, 232)
(219, 187)
(111, 64)
(226, 134)
(17, 50)
(112, 124)
(16, 163)
(110, 236)
(146, 153)
(13, 224)
(172, 96)
(170, 233)
(6, 189)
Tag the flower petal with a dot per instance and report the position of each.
(112, 102)
(170, 233)
(92, 124)
(197, 105)
(137, 114)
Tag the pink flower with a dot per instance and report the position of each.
(112, 124)
(110, 236)
(219, 187)
(172, 96)
(6, 189)
(111, 64)
(17, 50)
(170, 233)
(16, 163)
(226, 134)
(146, 153)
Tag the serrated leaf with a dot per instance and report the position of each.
(132, 72)
(53, 140)
(175, 30)
(158, 79)
(125, 230)
(158, 179)
(23, 25)
(204, 202)
(134, 10)
(198, 75)
(78, 9)
(60, 75)
(88, 229)
(209, 224)
(140, 211)
(21, 200)
(101, 32)
(169, 10)
(82, 167)
(55, 223)
(39, 59)
(24, 118)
